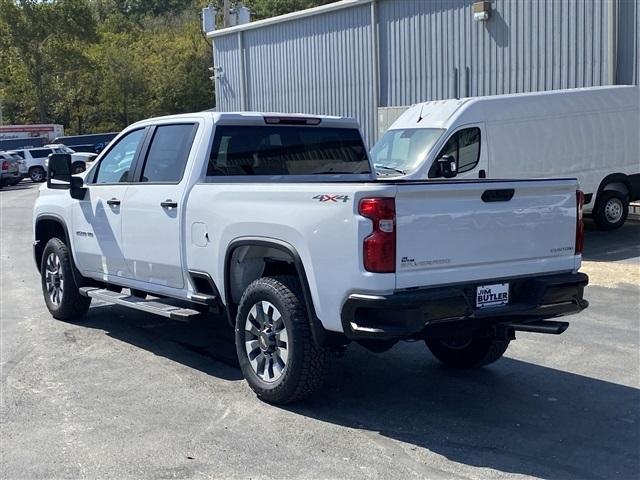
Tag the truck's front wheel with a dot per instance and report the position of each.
(58, 284)
(276, 351)
(467, 352)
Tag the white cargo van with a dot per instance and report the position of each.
(589, 133)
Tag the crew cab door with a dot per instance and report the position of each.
(97, 219)
(153, 206)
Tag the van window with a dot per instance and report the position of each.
(286, 150)
(464, 146)
(403, 150)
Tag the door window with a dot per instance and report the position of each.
(464, 147)
(115, 166)
(167, 157)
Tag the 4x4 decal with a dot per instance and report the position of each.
(332, 198)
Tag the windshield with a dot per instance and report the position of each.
(400, 151)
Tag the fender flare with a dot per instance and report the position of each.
(77, 277)
(317, 330)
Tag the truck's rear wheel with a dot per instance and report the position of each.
(467, 352)
(277, 354)
(611, 210)
(58, 284)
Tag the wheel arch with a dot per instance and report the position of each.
(46, 227)
(616, 181)
(285, 253)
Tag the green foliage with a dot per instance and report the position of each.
(269, 8)
(100, 65)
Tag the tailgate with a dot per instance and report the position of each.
(447, 233)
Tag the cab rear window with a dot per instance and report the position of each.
(286, 150)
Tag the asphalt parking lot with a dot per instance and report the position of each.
(126, 394)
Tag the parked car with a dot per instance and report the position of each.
(35, 161)
(9, 169)
(279, 221)
(92, 142)
(588, 133)
(79, 160)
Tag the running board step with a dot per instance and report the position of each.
(156, 307)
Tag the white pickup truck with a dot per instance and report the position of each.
(279, 221)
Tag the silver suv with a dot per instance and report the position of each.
(10, 168)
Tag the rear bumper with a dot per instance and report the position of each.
(10, 175)
(451, 309)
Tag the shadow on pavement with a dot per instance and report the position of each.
(514, 416)
(194, 343)
(20, 186)
(613, 245)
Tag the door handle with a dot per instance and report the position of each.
(114, 202)
(169, 204)
(498, 195)
(482, 174)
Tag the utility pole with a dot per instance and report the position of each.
(226, 7)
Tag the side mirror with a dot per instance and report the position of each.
(59, 176)
(78, 189)
(447, 166)
(59, 171)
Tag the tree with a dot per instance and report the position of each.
(37, 32)
(270, 8)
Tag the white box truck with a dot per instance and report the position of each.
(592, 134)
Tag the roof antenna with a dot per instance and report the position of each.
(420, 116)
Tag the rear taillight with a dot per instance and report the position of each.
(5, 165)
(379, 248)
(579, 222)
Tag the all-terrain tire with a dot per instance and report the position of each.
(473, 353)
(70, 305)
(306, 364)
(611, 210)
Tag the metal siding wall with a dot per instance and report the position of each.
(426, 48)
(320, 65)
(628, 61)
(228, 85)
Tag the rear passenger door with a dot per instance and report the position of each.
(153, 206)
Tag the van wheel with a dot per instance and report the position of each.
(37, 174)
(611, 210)
(59, 288)
(467, 352)
(276, 352)
(78, 167)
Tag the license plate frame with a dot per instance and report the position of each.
(492, 295)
